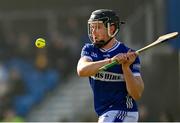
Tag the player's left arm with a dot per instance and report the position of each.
(134, 84)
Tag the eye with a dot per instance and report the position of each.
(93, 27)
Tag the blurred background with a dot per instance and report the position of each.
(42, 84)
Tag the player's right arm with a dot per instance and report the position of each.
(86, 67)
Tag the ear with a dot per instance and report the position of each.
(112, 28)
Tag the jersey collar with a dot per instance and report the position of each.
(112, 48)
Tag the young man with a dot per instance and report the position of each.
(116, 89)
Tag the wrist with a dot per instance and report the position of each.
(109, 60)
(125, 67)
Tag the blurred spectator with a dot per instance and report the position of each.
(17, 84)
(41, 61)
(143, 113)
(165, 117)
(38, 79)
(42, 77)
(73, 40)
(9, 47)
(59, 53)
(4, 80)
(24, 46)
(10, 116)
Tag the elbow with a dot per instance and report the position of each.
(81, 73)
(139, 93)
(137, 96)
(84, 73)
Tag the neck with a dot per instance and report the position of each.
(110, 44)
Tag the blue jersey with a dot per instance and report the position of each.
(109, 87)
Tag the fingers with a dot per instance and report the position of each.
(131, 58)
(131, 55)
(120, 58)
(127, 58)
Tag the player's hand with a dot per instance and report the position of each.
(131, 56)
(120, 58)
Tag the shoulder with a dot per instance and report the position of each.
(124, 47)
(87, 49)
(89, 46)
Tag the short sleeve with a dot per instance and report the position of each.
(86, 51)
(135, 67)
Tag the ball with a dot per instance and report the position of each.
(40, 43)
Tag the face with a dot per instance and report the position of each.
(98, 32)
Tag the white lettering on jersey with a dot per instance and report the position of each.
(108, 76)
(106, 55)
(129, 103)
(94, 55)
